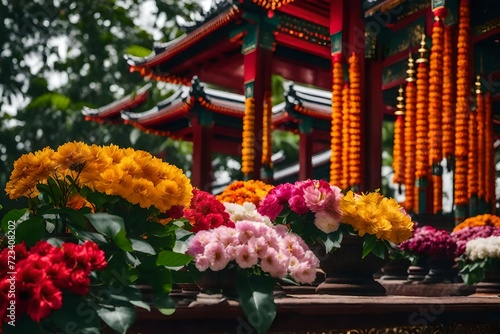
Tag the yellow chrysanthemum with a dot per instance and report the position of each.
(72, 156)
(377, 215)
(29, 170)
(141, 193)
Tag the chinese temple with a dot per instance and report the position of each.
(429, 66)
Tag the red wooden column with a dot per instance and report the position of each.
(305, 149)
(372, 107)
(257, 49)
(201, 172)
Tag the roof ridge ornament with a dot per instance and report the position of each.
(198, 89)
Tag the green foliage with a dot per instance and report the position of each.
(256, 299)
(58, 58)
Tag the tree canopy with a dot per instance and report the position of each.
(59, 55)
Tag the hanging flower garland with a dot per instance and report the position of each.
(248, 149)
(448, 99)
(267, 142)
(354, 121)
(481, 141)
(435, 111)
(398, 149)
(462, 108)
(336, 130)
(345, 137)
(489, 159)
(409, 137)
(422, 123)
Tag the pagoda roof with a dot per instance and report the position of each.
(112, 111)
(303, 102)
(212, 47)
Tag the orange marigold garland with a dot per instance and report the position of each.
(481, 220)
(489, 159)
(435, 113)
(345, 137)
(422, 125)
(248, 149)
(462, 108)
(336, 129)
(481, 141)
(267, 142)
(409, 137)
(398, 149)
(354, 121)
(448, 99)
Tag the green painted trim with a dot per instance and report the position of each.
(249, 89)
(460, 214)
(259, 33)
(305, 126)
(267, 172)
(422, 195)
(205, 118)
(483, 206)
(336, 41)
(473, 206)
(438, 4)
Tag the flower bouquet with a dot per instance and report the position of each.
(239, 253)
(434, 248)
(253, 255)
(463, 235)
(319, 213)
(94, 231)
(481, 259)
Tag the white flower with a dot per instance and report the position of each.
(482, 248)
(247, 211)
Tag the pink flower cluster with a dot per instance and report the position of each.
(273, 248)
(315, 196)
(206, 212)
(43, 272)
(429, 241)
(470, 233)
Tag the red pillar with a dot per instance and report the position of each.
(373, 117)
(201, 171)
(305, 155)
(257, 69)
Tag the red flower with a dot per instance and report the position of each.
(206, 212)
(96, 257)
(45, 298)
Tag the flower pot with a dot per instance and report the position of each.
(418, 270)
(396, 269)
(490, 283)
(221, 282)
(347, 273)
(441, 270)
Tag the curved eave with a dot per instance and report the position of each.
(185, 41)
(157, 116)
(271, 4)
(313, 110)
(113, 110)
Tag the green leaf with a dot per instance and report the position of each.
(76, 315)
(138, 51)
(380, 249)
(332, 240)
(142, 246)
(30, 231)
(23, 324)
(369, 243)
(257, 300)
(75, 217)
(129, 294)
(172, 260)
(111, 226)
(118, 317)
(164, 303)
(14, 215)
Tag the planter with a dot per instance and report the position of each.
(347, 273)
(418, 270)
(441, 270)
(217, 283)
(395, 270)
(490, 284)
